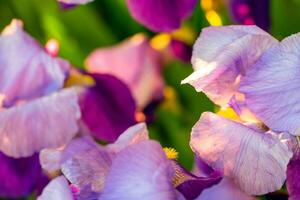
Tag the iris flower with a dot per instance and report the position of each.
(114, 171)
(248, 69)
(37, 112)
(157, 15)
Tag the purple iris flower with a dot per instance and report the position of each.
(161, 16)
(256, 155)
(250, 12)
(35, 113)
(157, 15)
(134, 158)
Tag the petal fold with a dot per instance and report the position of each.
(255, 160)
(221, 55)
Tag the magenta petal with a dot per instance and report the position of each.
(107, 108)
(237, 151)
(47, 122)
(140, 171)
(161, 16)
(292, 180)
(134, 62)
(19, 177)
(272, 87)
(26, 70)
(222, 55)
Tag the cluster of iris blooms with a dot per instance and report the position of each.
(52, 114)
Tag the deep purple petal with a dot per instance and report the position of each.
(26, 70)
(255, 160)
(19, 177)
(190, 185)
(221, 55)
(293, 177)
(46, 122)
(136, 63)
(251, 12)
(107, 108)
(141, 171)
(161, 16)
(271, 87)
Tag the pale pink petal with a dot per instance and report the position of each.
(57, 189)
(47, 122)
(222, 55)
(26, 69)
(134, 62)
(255, 160)
(272, 87)
(141, 171)
(225, 190)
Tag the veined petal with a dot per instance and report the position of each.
(26, 70)
(88, 168)
(161, 16)
(141, 171)
(225, 190)
(57, 189)
(134, 62)
(271, 87)
(222, 55)
(52, 159)
(47, 122)
(256, 161)
(107, 108)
